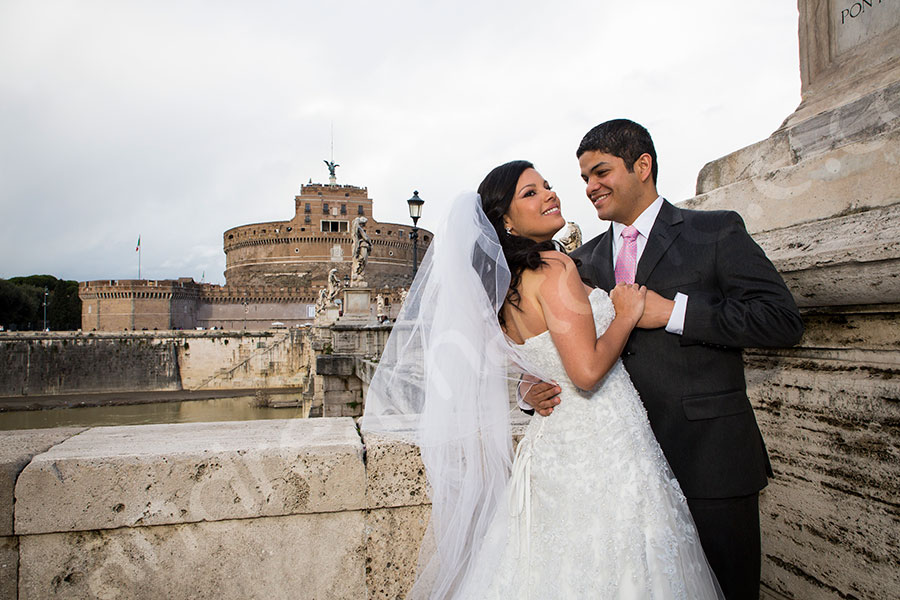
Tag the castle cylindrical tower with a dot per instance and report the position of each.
(299, 253)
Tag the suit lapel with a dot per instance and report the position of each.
(665, 230)
(601, 262)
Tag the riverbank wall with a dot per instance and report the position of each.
(48, 363)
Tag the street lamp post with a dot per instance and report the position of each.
(415, 212)
(46, 292)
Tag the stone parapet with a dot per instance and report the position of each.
(279, 558)
(169, 474)
(265, 509)
(9, 567)
(395, 475)
(17, 450)
(309, 509)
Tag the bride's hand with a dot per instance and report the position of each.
(628, 300)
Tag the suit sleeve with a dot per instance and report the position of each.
(751, 306)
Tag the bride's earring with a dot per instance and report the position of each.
(509, 231)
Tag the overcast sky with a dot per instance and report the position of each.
(178, 120)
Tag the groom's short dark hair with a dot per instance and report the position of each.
(623, 138)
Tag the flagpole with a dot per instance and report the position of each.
(139, 256)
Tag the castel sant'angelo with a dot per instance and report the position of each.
(273, 271)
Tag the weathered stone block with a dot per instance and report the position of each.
(334, 383)
(9, 567)
(828, 412)
(334, 364)
(347, 341)
(392, 549)
(761, 157)
(17, 448)
(163, 474)
(395, 475)
(848, 179)
(847, 260)
(342, 397)
(365, 369)
(299, 556)
(332, 410)
(767, 593)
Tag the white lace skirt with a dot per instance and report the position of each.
(593, 511)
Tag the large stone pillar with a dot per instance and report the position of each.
(821, 196)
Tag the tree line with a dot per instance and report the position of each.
(22, 303)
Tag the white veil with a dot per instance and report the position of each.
(444, 381)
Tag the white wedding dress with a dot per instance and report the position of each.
(592, 510)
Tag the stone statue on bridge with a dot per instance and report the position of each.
(328, 295)
(571, 239)
(362, 247)
(380, 307)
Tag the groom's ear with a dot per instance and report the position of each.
(643, 166)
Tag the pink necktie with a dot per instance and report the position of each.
(626, 262)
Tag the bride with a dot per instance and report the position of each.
(588, 508)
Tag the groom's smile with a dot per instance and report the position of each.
(598, 199)
(618, 194)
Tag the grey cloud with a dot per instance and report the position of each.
(178, 121)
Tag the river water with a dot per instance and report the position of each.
(237, 408)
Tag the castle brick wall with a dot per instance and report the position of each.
(127, 305)
(253, 317)
(123, 305)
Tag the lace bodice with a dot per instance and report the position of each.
(542, 352)
(541, 349)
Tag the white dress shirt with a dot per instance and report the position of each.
(644, 223)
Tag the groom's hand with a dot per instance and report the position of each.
(542, 397)
(657, 311)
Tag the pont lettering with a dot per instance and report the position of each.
(856, 9)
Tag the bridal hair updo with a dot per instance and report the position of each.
(497, 191)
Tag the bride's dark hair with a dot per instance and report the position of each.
(497, 191)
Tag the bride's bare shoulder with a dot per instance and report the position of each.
(556, 261)
(557, 267)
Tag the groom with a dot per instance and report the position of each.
(712, 292)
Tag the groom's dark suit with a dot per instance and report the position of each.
(693, 384)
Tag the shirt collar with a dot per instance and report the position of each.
(644, 222)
